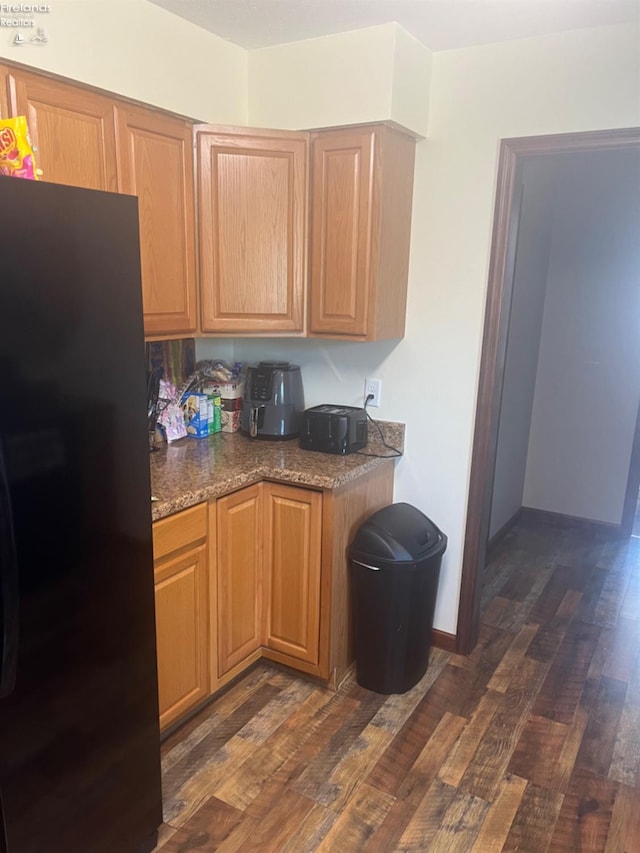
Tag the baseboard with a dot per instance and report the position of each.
(560, 518)
(442, 640)
(499, 535)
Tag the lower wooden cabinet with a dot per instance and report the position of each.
(239, 578)
(283, 574)
(261, 572)
(292, 569)
(267, 573)
(182, 612)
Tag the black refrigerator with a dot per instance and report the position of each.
(79, 735)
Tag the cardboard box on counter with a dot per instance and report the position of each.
(196, 414)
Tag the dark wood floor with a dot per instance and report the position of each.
(530, 744)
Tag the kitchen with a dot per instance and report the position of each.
(370, 75)
(462, 101)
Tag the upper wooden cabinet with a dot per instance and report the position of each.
(86, 139)
(361, 197)
(4, 92)
(260, 271)
(155, 162)
(71, 128)
(252, 188)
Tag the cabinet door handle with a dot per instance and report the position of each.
(8, 588)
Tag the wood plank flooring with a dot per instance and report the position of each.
(532, 743)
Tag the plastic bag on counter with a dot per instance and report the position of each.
(217, 371)
(16, 153)
(171, 417)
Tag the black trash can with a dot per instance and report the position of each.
(395, 567)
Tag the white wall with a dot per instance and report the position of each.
(333, 371)
(588, 383)
(525, 325)
(574, 81)
(373, 74)
(136, 49)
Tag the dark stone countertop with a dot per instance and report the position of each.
(192, 470)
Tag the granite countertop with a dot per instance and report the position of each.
(191, 470)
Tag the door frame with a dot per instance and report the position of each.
(513, 153)
(633, 484)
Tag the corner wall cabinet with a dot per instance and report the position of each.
(252, 224)
(361, 197)
(182, 611)
(252, 214)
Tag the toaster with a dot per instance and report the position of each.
(334, 429)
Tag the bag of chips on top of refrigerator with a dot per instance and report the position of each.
(16, 154)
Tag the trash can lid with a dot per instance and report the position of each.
(398, 533)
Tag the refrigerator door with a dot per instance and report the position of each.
(79, 737)
(9, 597)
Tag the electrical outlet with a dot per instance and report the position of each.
(373, 386)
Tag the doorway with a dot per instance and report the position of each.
(513, 154)
(635, 530)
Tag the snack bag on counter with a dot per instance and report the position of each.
(16, 153)
(171, 417)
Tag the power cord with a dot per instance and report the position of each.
(395, 450)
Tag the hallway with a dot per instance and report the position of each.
(532, 743)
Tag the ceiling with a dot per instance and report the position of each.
(438, 24)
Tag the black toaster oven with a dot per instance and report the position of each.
(334, 429)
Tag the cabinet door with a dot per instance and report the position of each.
(239, 576)
(362, 192)
(155, 162)
(341, 231)
(71, 128)
(292, 571)
(4, 92)
(252, 231)
(181, 593)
